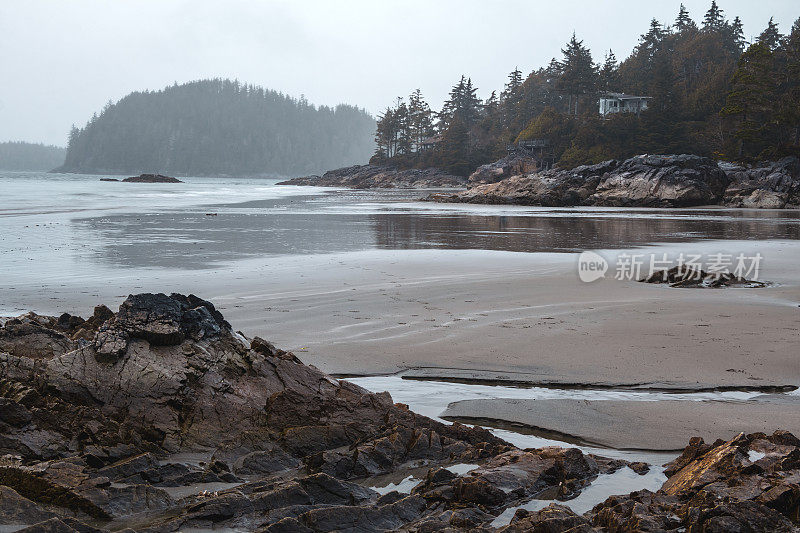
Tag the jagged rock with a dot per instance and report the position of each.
(554, 518)
(380, 177)
(550, 188)
(774, 185)
(749, 483)
(102, 439)
(514, 164)
(662, 181)
(642, 181)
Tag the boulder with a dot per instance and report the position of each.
(514, 164)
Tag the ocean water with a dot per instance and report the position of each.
(75, 225)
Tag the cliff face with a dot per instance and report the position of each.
(646, 181)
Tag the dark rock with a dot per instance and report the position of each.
(265, 462)
(151, 178)
(774, 185)
(662, 181)
(642, 181)
(379, 177)
(554, 518)
(692, 277)
(514, 164)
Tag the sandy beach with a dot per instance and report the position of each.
(390, 305)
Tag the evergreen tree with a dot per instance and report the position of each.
(736, 35)
(609, 72)
(453, 150)
(578, 73)
(749, 102)
(684, 22)
(714, 20)
(771, 37)
(420, 120)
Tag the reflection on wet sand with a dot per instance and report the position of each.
(345, 222)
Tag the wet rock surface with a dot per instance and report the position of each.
(690, 277)
(746, 484)
(158, 417)
(380, 177)
(514, 164)
(642, 181)
(773, 185)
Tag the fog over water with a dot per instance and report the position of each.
(88, 52)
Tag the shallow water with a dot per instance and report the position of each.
(56, 225)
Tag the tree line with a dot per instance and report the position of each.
(219, 127)
(21, 156)
(711, 93)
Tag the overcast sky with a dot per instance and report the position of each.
(60, 61)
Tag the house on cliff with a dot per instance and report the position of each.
(611, 103)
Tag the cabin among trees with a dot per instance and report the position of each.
(622, 103)
(708, 91)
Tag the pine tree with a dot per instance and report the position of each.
(609, 73)
(736, 35)
(714, 20)
(749, 104)
(789, 89)
(453, 150)
(684, 22)
(420, 122)
(770, 36)
(578, 73)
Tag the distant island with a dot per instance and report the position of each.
(22, 156)
(219, 127)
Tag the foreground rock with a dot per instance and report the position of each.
(159, 417)
(749, 483)
(146, 178)
(379, 177)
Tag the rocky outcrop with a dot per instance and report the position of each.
(642, 181)
(146, 178)
(661, 181)
(514, 164)
(551, 188)
(768, 186)
(159, 417)
(380, 177)
(749, 483)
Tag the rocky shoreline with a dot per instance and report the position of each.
(642, 181)
(382, 177)
(160, 417)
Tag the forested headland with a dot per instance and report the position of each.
(29, 156)
(710, 93)
(213, 127)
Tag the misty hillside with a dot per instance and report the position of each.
(29, 156)
(218, 126)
